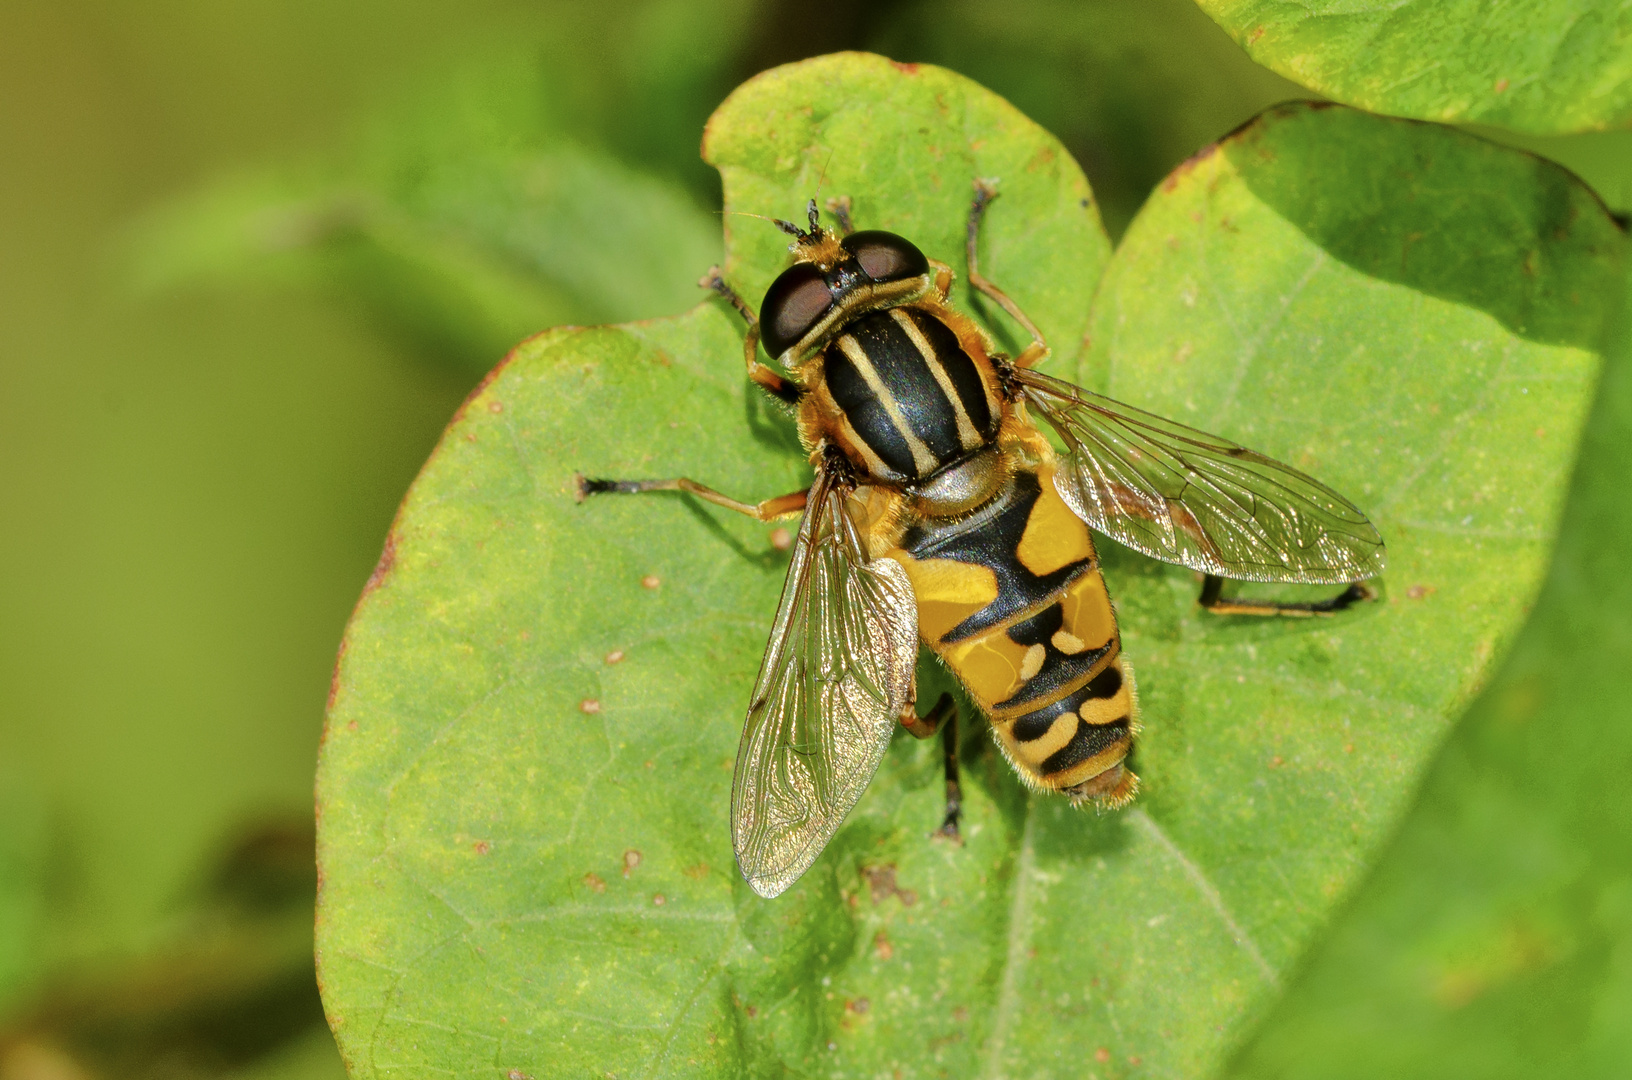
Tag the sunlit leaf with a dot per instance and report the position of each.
(1542, 66)
(1495, 937)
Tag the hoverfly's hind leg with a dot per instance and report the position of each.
(839, 207)
(1212, 600)
(769, 510)
(943, 718)
(985, 192)
(762, 374)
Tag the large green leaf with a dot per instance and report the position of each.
(1495, 938)
(526, 860)
(1542, 66)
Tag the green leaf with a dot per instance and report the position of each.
(525, 846)
(1541, 66)
(1495, 937)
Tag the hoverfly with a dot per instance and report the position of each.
(940, 511)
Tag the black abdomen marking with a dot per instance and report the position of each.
(1086, 741)
(909, 391)
(1059, 669)
(991, 538)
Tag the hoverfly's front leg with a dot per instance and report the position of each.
(1212, 599)
(943, 718)
(985, 192)
(762, 374)
(769, 510)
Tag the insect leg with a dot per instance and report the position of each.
(762, 374)
(839, 207)
(943, 718)
(985, 192)
(769, 510)
(1212, 600)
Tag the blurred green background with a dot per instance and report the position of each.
(252, 255)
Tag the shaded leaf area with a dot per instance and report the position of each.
(524, 783)
(1494, 938)
(226, 988)
(1541, 66)
(459, 226)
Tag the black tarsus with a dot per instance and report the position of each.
(1211, 597)
(947, 709)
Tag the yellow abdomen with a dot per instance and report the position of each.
(1012, 599)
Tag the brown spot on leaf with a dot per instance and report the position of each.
(1420, 592)
(590, 706)
(905, 69)
(594, 882)
(517, 1074)
(495, 406)
(388, 559)
(781, 539)
(696, 873)
(1188, 165)
(334, 682)
(1252, 38)
(1277, 761)
(1101, 1054)
(482, 847)
(615, 656)
(1501, 85)
(651, 581)
(631, 859)
(881, 884)
(858, 1006)
(882, 947)
(658, 900)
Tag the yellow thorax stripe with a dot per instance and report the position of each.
(864, 367)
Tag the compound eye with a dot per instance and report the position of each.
(885, 256)
(794, 303)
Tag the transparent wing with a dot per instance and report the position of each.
(837, 672)
(1186, 497)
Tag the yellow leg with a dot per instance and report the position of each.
(985, 192)
(769, 510)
